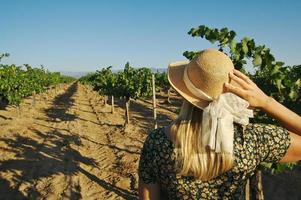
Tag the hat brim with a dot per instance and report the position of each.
(175, 76)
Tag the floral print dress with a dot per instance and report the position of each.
(257, 143)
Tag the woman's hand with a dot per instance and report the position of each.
(247, 89)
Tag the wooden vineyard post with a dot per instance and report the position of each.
(1, 101)
(127, 114)
(112, 104)
(34, 99)
(105, 100)
(256, 189)
(154, 100)
(247, 191)
(19, 111)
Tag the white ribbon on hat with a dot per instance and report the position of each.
(218, 117)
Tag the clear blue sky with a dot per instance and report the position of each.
(86, 35)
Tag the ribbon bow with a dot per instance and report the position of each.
(218, 117)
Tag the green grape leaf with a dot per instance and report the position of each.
(257, 61)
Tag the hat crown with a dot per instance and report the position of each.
(209, 70)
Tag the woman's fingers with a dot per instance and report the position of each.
(242, 76)
(236, 90)
(248, 90)
(240, 81)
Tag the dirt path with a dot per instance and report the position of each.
(69, 146)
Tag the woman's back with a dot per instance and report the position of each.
(214, 154)
(257, 143)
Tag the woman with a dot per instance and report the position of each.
(211, 149)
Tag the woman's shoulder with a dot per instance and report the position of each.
(157, 133)
(259, 128)
(263, 129)
(260, 133)
(157, 138)
(268, 141)
(148, 167)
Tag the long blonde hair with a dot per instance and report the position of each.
(191, 159)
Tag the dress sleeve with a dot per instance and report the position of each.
(272, 141)
(147, 167)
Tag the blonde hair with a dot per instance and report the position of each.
(190, 158)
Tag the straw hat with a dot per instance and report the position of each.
(202, 79)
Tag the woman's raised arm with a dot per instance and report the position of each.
(258, 99)
(249, 91)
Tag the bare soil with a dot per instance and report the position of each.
(68, 145)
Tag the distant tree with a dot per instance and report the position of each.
(3, 55)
